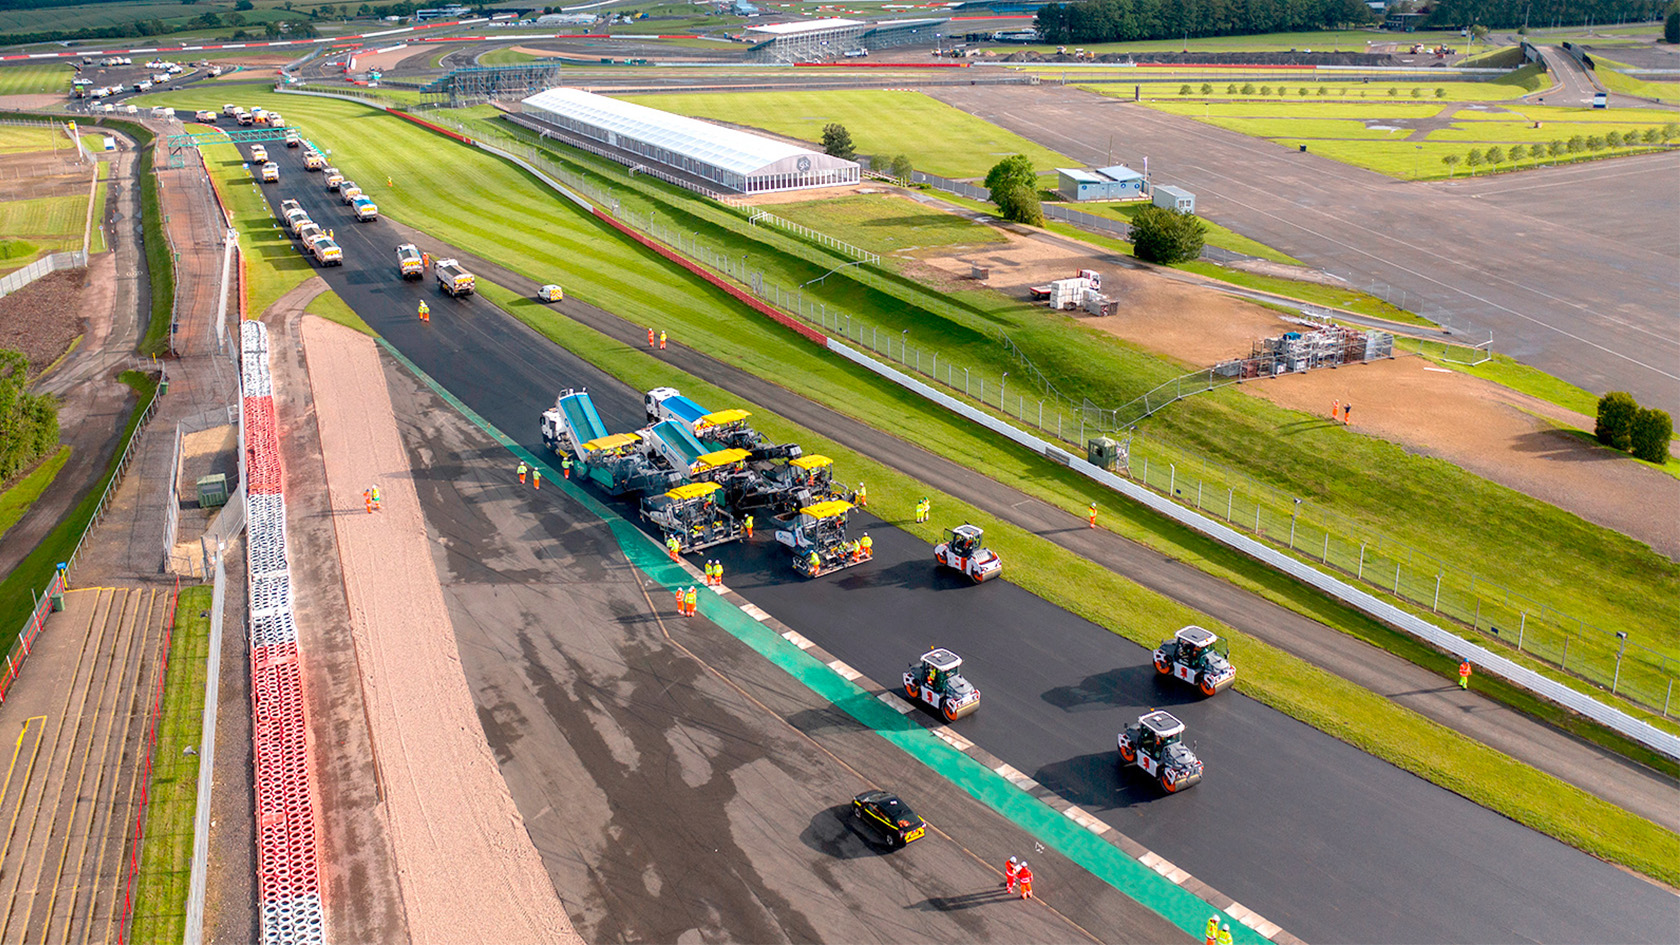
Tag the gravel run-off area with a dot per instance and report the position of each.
(468, 869)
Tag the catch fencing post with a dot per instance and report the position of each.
(1396, 579)
(1230, 501)
(1435, 605)
(1521, 628)
(1360, 574)
(1324, 556)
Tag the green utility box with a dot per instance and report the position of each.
(212, 491)
(1103, 451)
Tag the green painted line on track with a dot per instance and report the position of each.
(1055, 830)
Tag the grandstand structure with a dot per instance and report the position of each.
(696, 154)
(834, 37)
(482, 83)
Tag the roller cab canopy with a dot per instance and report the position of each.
(830, 509)
(718, 458)
(718, 418)
(613, 442)
(814, 461)
(693, 490)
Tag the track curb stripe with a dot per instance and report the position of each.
(1183, 901)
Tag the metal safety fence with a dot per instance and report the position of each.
(1495, 607)
(13, 281)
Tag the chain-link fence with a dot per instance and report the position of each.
(1502, 613)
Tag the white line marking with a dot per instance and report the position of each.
(792, 636)
(757, 613)
(844, 670)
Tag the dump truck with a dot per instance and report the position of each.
(293, 139)
(243, 117)
(817, 538)
(270, 172)
(205, 115)
(295, 218)
(454, 279)
(326, 252)
(288, 205)
(332, 177)
(365, 209)
(259, 154)
(693, 514)
(410, 263)
(348, 192)
(313, 161)
(307, 231)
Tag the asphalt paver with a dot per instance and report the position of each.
(1330, 843)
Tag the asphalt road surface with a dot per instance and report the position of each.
(1368, 853)
(679, 786)
(1557, 291)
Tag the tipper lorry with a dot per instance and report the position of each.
(454, 279)
(410, 263)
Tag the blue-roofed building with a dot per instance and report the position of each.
(1104, 183)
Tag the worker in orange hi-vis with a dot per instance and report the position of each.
(692, 598)
(367, 499)
(1347, 414)
(1010, 870)
(650, 337)
(1024, 879)
(1464, 675)
(522, 470)
(1093, 515)
(1212, 937)
(536, 478)
(682, 608)
(425, 312)
(1335, 409)
(662, 339)
(717, 574)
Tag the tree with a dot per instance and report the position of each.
(901, 167)
(1650, 433)
(1517, 153)
(1576, 144)
(1651, 136)
(1184, 89)
(1440, 93)
(1264, 89)
(244, 5)
(1670, 131)
(1248, 88)
(1451, 161)
(1495, 156)
(1393, 92)
(1595, 143)
(1302, 91)
(1473, 160)
(837, 141)
(1322, 90)
(1615, 419)
(1013, 186)
(1417, 92)
(1167, 236)
(1671, 26)
(1613, 139)
(28, 422)
(1231, 89)
(235, 19)
(1207, 88)
(1555, 148)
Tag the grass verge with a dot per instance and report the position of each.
(161, 886)
(33, 572)
(15, 501)
(332, 308)
(1284, 682)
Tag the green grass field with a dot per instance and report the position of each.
(1282, 681)
(260, 237)
(1216, 235)
(1319, 40)
(160, 888)
(943, 140)
(1613, 75)
(887, 224)
(16, 500)
(19, 139)
(175, 15)
(506, 56)
(44, 219)
(35, 78)
(1329, 90)
(501, 212)
(332, 308)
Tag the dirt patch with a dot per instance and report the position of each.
(1509, 438)
(468, 869)
(207, 453)
(386, 61)
(43, 317)
(34, 102)
(819, 193)
(1266, 267)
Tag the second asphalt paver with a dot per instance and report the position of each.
(1315, 835)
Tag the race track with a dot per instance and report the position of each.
(1330, 843)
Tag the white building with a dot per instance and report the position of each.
(726, 158)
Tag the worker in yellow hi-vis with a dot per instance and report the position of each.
(425, 312)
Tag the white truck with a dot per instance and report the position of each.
(365, 209)
(259, 154)
(410, 263)
(326, 251)
(270, 172)
(454, 279)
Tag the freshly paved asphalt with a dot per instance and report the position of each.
(1556, 294)
(1327, 841)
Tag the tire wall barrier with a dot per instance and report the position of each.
(288, 856)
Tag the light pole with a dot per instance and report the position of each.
(1617, 679)
(1001, 381)
(904, 345)
(1292, 516)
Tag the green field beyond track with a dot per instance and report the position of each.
(942, 140)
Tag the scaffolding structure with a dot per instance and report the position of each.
(481, 83)
(178, 145)
(1295, 351)
(821, 40)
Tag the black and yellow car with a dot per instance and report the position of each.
(888, 816)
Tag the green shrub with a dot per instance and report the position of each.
(1184, 89)
(1167, 236)
(1649, 437)
(1440, 93)
(1615, 417)
(1265, 90)
(1613, 139)
(1014, 188)
(1207, 88)
(1517, 152)
(1231, 89)
(1495, 155)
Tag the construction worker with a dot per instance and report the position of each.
(367, 499)
(692, 598)
(1093, 511)
(1335, 409)
(330, 235)
(747, 524)
(867, 544)
(1024, 878)
(674, 547)
(1009, 870)
(862, 496)
(389, 182)
(814, 563)
(717, 574)
(375, 491)
(425, 312)
(662, 339)
(426, 260)
(923, 508)
(1212, 937)
(707, 569)
(536, 478)
(1224, 933)
(1347, 414)
(682, 608)
(522, 470)
(565, 467)
(650, 336)
(1464, 675)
